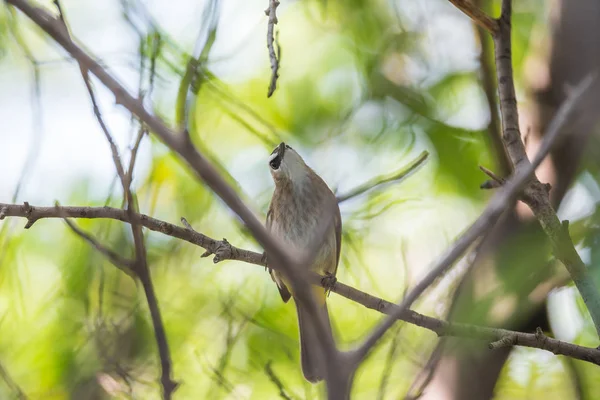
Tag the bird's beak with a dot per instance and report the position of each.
(281, 149)
(277, 156)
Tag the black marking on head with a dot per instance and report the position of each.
(279, 152)
(276, 162)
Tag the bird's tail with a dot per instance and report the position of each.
(313, 366)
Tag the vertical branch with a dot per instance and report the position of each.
(511, 134)
(274, 56)
(140, 266)
(536, 194)
(486, 68)
(387, 368)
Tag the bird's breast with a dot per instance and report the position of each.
(296, 219)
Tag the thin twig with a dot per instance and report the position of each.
(387, 368)
(479, 17)
(381, 180)
(276, 381)
(417, 388)
(117, 260)
(274, 56)
(133, 158)
(495, 182)
(11, 383)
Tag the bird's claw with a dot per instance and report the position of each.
(328, 282)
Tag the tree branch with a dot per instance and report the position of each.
(502, 199)
(536, 194)
(276, 381)
(118, 261)
(274, 56)
(226, 251)
(479, 17)
(488, 84)
(381, 180)
(17, 391)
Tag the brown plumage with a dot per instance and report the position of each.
(296, 210)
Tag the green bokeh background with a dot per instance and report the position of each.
(365, 86)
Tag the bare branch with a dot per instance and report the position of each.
(536, 194)
(274, 56)
(445, 328)
(18, 392)
(494, 183)
(276, 381)
(426, 374)
(118, 261)
(479, 17)
(129, 175)
(488, 84)
(502, 199)
(389, 360)
(381, 180)
(217, 247)
(439, 327)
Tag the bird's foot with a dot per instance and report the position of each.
(328, 282)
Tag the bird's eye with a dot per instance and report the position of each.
(275, 163)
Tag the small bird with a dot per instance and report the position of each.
(296, 211)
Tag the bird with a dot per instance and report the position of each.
(297, 209)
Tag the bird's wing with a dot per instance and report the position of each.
(283, 290)
(337, 221)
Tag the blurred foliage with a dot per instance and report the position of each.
(365, 86)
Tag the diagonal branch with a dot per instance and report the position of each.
(276, 381)
(505, 197)
(479, 17)
(381, 180)
(18, 392)
(117, 260)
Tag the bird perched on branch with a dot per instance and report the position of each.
(298, 208)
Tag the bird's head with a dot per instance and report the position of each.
(286, 165)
